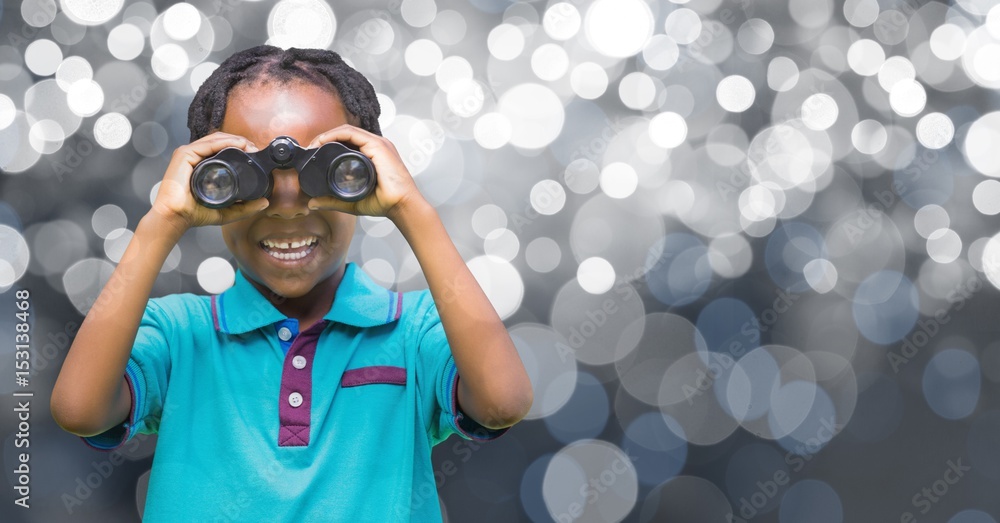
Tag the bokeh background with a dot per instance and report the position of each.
(747, 249)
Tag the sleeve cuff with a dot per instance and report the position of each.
(115, 437)
(465, 426)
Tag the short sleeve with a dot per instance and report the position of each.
(437, 378)
(146, 375)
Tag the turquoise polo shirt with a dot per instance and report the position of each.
(259, 420)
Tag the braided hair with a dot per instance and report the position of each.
(265, 63)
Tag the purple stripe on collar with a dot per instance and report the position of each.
(295, 420)
(373, 374)
(215, 313)
(399, 305)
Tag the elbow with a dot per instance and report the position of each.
(511, 408)
(72, 417)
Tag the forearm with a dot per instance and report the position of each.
(493, 387)
(88, 394)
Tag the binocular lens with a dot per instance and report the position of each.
(349, 176)
(215, 183)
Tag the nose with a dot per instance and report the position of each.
(287, 199)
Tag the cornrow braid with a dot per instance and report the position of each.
(265, 63)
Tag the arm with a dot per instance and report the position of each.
(91, 395)
(493, 387)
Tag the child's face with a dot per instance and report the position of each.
(267, 245)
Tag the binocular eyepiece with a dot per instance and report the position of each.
(233, 174)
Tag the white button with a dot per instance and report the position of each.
(295, 399)
(285, 334)
(299, 362)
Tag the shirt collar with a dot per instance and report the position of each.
(359, 301)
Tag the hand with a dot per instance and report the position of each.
(174, 201)
(394, 187)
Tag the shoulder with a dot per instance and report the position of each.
(416, 305)
(186, 309)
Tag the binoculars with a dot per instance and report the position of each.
(233, 174)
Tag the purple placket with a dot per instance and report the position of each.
(295, 420)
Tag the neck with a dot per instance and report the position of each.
(311, 306)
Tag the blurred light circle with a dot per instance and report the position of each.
(782, 74)
(215, 275)
(38, 13)
(683, 25)
(505, 42)
(535, 113)
(755, 36)
(582, 176)
(869, 137)
(861, 13)
(678, 270)
(972, 516)
(84, 280)
(116, 242)
(107, 218)
(908, 97)
(986, 197)
(730, 255)
(944, 245)
(449, 28)
(43, 57)
(380, 226)
(170, 61)
(549, 62)
(637, 90)
(982, 141)
(561, 21)
(821, 275)
(14, 256)
(547, 197)
(85, 97)
(550, 365)
(585, 414)
(984, 60)
(735, 93)
(588, 80)
(619, 28)
(418, 13)
(757, 203)
(542, 255)
(811, 500)
(388, 114)
(492, 131)
(451, 71)
(935, 130)
(668, 130)
(201, 72)
(466, 97)
(948, 41)
(594, 324)
(181, 21)
(686, 498)
(423, 57)
(865, 57)
(149, 139)
(301, 23)
(895, 70)
(595, 275)
(500, 281)
(88, 12)
(487, 218)
(380, 270)
(592, 474)
(891, 27)
(930, 218)
(619, 180)
(661, 53)
(71, 69)
(46, 136)
(658, 452)
(126, 41)
(819, 111)
(991, 260)
(951, 384)
(886, 305)
(993, 21)
(686, 395)
(502, 243)
(7, 111)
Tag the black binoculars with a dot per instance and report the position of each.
(233, 174)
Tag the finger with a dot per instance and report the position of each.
(242, 210)
(331, 203)
(344, 133)
(199, 150)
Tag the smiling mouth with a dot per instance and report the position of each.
(290, 249)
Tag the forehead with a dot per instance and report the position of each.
(264, 111)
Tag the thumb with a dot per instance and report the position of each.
(331, 203)
(243, 210)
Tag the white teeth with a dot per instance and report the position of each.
(295, 244)
(289, 255)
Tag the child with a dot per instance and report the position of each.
(305, 392)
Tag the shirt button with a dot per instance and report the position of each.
(284, 334)
(299, 362)
(295, 399)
